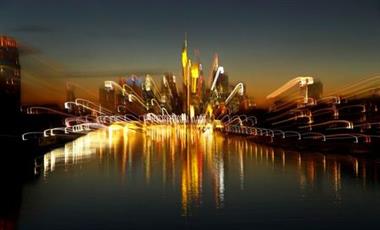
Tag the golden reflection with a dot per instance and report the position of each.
(241, 166)
(196, 161)
(356, 167)
(336, 170)
(311, 171)
(364, 174)
(72, 153)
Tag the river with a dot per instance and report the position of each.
(177, 178)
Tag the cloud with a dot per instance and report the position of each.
(35, 29)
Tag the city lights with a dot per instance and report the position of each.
(189, 115)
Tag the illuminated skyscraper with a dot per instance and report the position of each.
(184, 59)
(10, 78)
(194, 77)
(185, 74)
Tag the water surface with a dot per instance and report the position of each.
(119, 178)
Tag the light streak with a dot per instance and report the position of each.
(35, 109)
(239, 88)
(220, 70)
(346, 124)
(300, 81)
(298, 110)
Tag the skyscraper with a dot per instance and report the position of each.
(70, 92)
(174, 94)
(107, 98)
(222, 84)
(185, 74)
(10, 78)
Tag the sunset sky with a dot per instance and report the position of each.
(262, 43)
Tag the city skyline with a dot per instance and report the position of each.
(262, 44)
(190, 114)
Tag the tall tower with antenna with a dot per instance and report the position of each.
(186, 65)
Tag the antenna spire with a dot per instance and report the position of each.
(186, 39)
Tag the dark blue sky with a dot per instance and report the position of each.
(263, 43)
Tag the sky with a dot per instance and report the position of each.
(261, 43)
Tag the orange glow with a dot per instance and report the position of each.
(185, 61)
(7, 42)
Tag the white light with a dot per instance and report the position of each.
(45, 133)
(108, 84)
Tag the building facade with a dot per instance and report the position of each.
(10, 76)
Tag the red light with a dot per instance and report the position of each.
(7, 42)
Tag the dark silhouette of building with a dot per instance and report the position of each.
(107, 98)
(10, 78)
(134, 83)
(70, 92)
(222, 84)
(173, 93)
(316, 90)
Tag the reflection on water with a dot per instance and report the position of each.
(208, 170)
